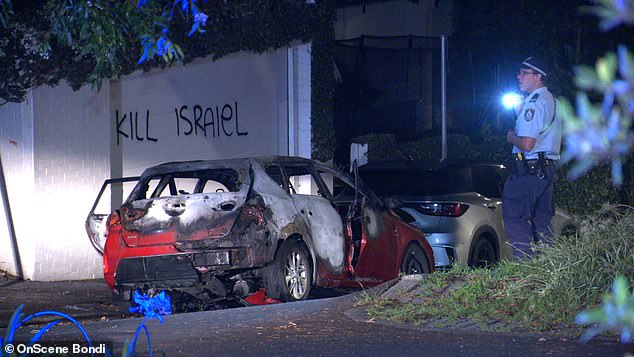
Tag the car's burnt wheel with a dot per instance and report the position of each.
(290, 276)
(415, 261)
(482, 254)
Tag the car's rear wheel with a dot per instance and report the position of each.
(415, 261)
(290, 276)
(482, 253)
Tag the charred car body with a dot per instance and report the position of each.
(216, 230)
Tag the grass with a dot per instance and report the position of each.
(543, 293)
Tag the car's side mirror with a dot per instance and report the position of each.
(392, 202)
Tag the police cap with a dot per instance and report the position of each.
(536, 64)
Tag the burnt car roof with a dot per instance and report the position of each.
(233, 162)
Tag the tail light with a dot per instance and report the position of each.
(131, 214)
(447, 209)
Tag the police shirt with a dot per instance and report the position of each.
(537, 119)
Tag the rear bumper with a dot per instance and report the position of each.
(443, 255)
(176, 270)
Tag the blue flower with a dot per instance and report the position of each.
(153, 307)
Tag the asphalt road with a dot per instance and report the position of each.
(331, 326)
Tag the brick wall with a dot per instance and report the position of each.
(71, 161)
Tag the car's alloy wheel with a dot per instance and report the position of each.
(295, 274)
(415, 261)
(482, 254)
(289, 277)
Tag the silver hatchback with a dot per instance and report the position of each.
(457, 205)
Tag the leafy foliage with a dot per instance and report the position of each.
(86, 41)
(154, 307)
(615, 314)
(601, 132)
(6, 11)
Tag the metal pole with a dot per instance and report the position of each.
(443, 93)
(7, 212)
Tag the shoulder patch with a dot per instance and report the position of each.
(534, 98)
(529, 114)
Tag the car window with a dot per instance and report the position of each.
(188, 182)
(185, 185)
(487, 181)
(301, 181)
(211, 186)
(340, 190)
(150, 190)
(275, 172)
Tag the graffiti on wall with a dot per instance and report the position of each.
(197, 120)
(128, 127)
(209, 121)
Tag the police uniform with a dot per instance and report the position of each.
(528, 199)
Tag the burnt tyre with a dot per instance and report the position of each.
(415, 261)
(482, 254)
(290, 276)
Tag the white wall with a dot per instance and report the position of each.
(59, 145)
(206, 110)
(71, 161)
(16, 150)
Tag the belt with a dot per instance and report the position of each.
(536, 161)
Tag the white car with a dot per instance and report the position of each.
(457, 205)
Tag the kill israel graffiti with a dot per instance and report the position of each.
(198, 120)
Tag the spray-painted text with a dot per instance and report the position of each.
(209, 121)
(128, 127)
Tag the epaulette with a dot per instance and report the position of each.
(534, 98)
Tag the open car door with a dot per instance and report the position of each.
(109, 198)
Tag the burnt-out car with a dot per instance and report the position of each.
(217, 230)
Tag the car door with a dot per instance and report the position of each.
(110, 197)
(371, 245)
(322, 219)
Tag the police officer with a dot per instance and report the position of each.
(527, 201)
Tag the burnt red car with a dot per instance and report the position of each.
(214, 230)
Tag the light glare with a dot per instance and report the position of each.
(511, 100)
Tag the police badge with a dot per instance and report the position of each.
(528, 114)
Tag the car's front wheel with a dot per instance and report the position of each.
(290, 276)
(415, 261)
